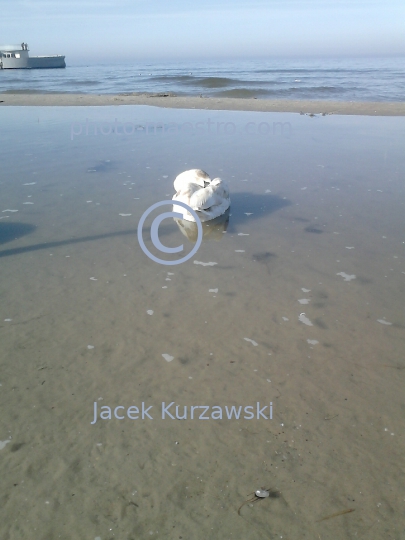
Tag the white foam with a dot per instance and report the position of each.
(8, 320)
(312, 341)
(243, 234)
(251, 341)
(248, 213)
(347, 277)
(205, 264)
(28, 202)
(305, 290)
(3, 444)
(93, 279)
(150, 312)
(304, 301)
(304, 319)
(382, 321)
(167, 357)
(125, 215)
(9, 210)
(239, 251)
(90, 347)
(30, 184)
(349, 247)
(284, 318)
(213, 290)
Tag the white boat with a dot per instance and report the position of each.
(17, 57)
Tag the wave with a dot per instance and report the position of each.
(28, 91)
(243, 93)
(278, 80)
(81, 83)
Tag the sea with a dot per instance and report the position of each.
(354, 79)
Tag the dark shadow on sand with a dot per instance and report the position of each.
(60, 243)
(14, 231)
(258, 205)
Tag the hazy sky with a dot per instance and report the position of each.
(124, 30)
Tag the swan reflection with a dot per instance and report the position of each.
(212, 230)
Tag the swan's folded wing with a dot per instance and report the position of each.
(204, 198)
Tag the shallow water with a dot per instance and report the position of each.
(303, 308)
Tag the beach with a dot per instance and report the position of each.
(145, 400)
(206, 103)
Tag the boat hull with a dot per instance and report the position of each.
(46, 62)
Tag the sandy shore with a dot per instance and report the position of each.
(189, 102)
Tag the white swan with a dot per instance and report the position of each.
(209, 198)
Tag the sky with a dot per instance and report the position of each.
(132, 30)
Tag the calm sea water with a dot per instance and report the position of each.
(343, 79)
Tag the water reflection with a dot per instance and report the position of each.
(212, 230)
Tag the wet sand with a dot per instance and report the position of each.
(316, 226)
(225, 104)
